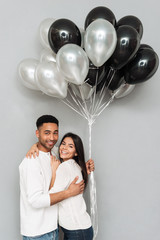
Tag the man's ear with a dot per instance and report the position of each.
(37, 133)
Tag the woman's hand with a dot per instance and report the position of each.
(34, 151)
(90, 166)
(54, 165)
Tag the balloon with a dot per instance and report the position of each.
(50, 81)
(43, 32)
(128, 42)
(143, 46)
(123, 91)
(73, 63)
(61, 32)
(133, 22)
(100, 12)
(82, 36)
(83, 91)
(26, 71)
(142, 67)
(115, 80)
(95, 75)
(47, 56)
(100, 41)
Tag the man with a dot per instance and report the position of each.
(37, 205)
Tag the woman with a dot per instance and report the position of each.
(73, 218)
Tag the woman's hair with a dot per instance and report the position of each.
(80, 153)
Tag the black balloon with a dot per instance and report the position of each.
(128, 42)
(143, 66)
(100, 12)
(144, 46)
(115, 80)
(133, 22)
(95, 75)
(61, 32)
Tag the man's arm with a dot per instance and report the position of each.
(73, 190)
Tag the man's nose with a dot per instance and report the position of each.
(52, 137)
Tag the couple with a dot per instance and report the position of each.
(44, 182)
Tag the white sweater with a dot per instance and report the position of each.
(72, 211)
(37, 216)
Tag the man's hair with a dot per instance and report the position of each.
(46, 119)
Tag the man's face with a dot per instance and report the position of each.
(48, 136)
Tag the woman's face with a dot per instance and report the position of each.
(67, 149)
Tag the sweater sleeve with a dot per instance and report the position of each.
(32, 179)
(62, 180)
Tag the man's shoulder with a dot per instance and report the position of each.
(28, 161)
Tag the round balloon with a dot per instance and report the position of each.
(43, 31)
(73, 63)
(123, 90)
(143, 66)
(133, 22)
(144, 46)
(128, 42)
(100, 41)
(50, 80)
(26, 71)
(100, 12)
(61, 32)
(47, 55)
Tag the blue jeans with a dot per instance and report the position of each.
(80, 234)
(48, 236)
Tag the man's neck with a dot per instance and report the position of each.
(42, 148)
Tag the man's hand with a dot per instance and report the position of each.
(90, 166)
(76, 188)
(33, 151)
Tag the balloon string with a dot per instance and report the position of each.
(92, 189)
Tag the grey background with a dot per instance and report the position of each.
(125, 144)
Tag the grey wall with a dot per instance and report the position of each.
(126, 136)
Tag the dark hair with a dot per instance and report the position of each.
(80, 159)
(46, 119)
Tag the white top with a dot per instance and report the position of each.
(36, 214)
(72, 211)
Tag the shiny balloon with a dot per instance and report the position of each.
(114, 81)
(128, 42)
(144, 46)
(26, 71)
(123, 91)
(100, 12)
(95, 75)
(83, 91)
(61, 32)
(73, 63)
(143, 66)
(43, 32)
(50, 80)
(100, 41)
(47, 56)
(133, 22)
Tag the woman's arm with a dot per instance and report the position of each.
(54, 165)
(90, 166)
(33, 151)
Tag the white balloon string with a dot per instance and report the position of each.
(100, 98)
(92, 190)
(94, 94)
(78, 103)
(72, 107)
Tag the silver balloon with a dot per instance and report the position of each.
(47, 55)
(100, 41)
(26, 71)
(82, 31)
(83, 91)
(50, 80)
(123, 90)
(43, 31)
(73, 63)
